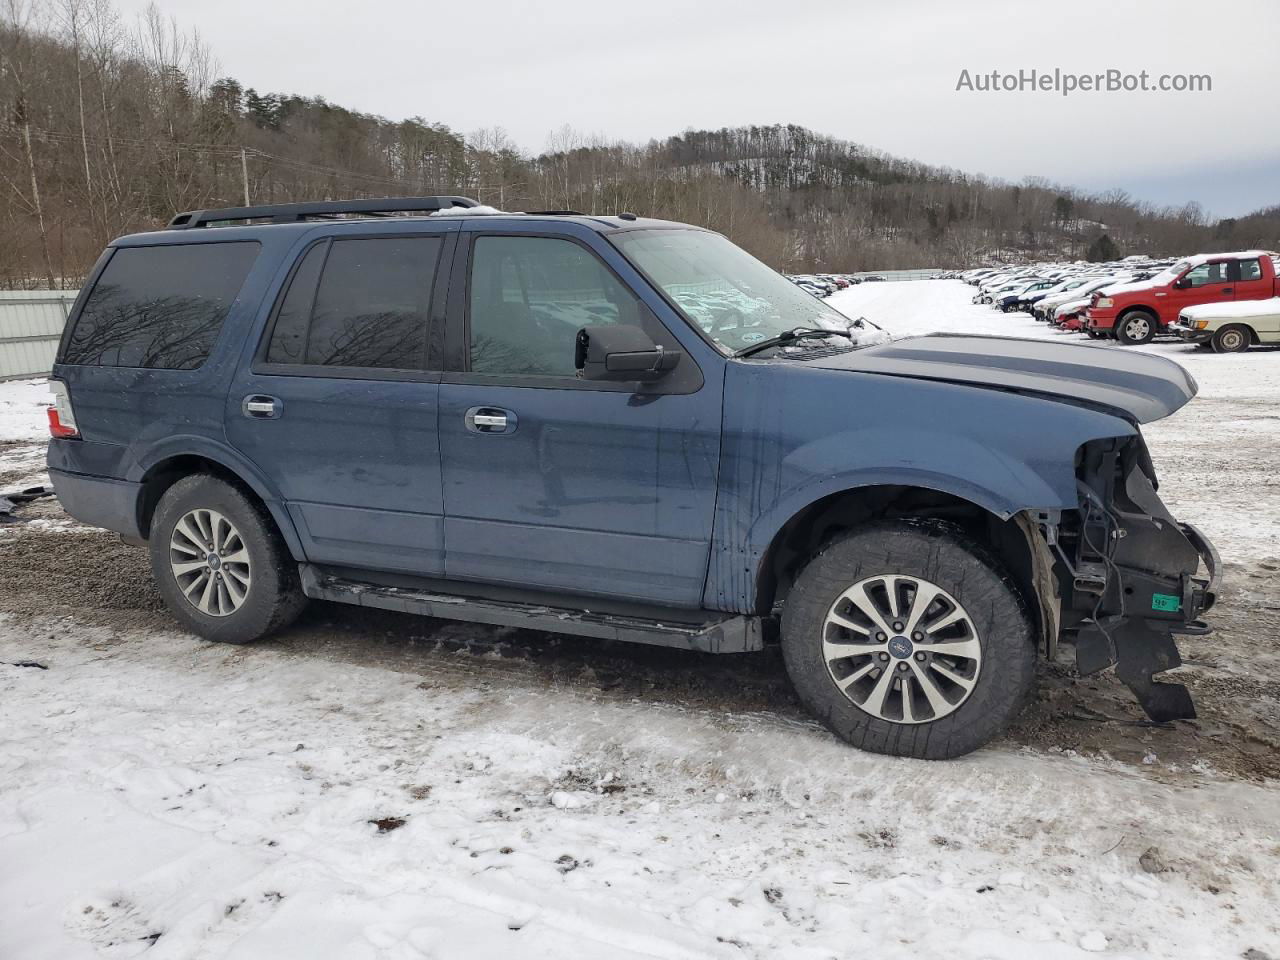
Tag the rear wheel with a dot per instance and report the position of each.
(905, 638)
(1231, 339)
(1135, 327)
(220, 564)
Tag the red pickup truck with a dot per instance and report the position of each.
(1135, 312)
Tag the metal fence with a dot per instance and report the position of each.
(31, 323)
(901, 274)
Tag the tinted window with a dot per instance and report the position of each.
(529, 297)
(289, 335)
(160, 306)
(369, 309)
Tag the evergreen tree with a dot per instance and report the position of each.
(1102, 250)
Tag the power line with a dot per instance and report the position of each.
(233, 151)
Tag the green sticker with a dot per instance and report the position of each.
(1165, 602)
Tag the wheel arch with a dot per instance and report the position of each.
(1143, 308)
(1004, 533)
(169, 464)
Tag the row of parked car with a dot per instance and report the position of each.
(825, 284)
(1227, 301)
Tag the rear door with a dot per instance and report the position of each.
(1252, 281)
(338, 403)
(557, 483)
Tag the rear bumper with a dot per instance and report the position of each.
(99, 501)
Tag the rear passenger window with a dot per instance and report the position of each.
(358, 303)
(1250, 270)
(160, 306)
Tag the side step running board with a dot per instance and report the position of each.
(733, 634)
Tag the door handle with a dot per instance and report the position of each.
(1228, 289)
(257, 406)
(490, 420)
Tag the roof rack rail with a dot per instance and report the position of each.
(298, 212)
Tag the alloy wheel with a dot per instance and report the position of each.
(1137, 328)
(901, 649)
(210, 562)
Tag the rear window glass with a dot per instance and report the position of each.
(368, 310)
(160, 306)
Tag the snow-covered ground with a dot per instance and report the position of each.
(1211, 455)
(375, 790)
(24, 427)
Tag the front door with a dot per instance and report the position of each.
(339, 408)
(557, 483)
(1203, 283)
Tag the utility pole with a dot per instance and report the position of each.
(244, 174)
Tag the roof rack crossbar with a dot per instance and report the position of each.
(298, 212)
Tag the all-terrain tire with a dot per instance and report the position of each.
(273, 598)
(1136, 327)
(942, 555)
(1232, 338)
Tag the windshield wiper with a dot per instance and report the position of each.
(789, 336)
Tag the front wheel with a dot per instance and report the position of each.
(1231, 339)
(1135, 328)
(905, 638)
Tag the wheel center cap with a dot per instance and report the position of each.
(900, 647)
(215, 561)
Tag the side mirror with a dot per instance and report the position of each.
(1182, 283)
(621, 352)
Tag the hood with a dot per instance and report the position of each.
(1233, 309)
(1140, 287)
(1136, 385)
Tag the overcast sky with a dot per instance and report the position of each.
(882, 74)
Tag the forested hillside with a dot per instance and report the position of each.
(112, 126)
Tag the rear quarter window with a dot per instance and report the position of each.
(159, 307)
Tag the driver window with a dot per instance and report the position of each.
(1205, 274)
(528, 298)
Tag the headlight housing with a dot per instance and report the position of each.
(1200, 324)
(1105, 302)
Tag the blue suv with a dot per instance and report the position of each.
(627, 429)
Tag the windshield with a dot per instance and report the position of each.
(732, 296)
(1169, 274)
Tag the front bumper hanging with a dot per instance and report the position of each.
(1142, 587)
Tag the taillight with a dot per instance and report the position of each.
(62, 419)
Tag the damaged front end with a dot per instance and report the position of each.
(1129, 575)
